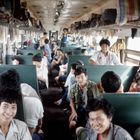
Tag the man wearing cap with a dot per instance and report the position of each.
(104, 56)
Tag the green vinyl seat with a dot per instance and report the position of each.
(127, 110)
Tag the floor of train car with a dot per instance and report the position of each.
(55, 122)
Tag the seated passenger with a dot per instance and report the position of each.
(42, 72)
(104, 56)
(70, 80)
(32, 105)
(100, 113)
(111, 82)
(135, 86)
(10, 128)
(59, 59)
(80, 94)
(17, 60)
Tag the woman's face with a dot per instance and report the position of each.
(7, 112)
(99, 121)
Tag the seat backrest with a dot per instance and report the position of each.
(126, 73)
(69, 48)
(27, 75)
(27, 59)
(127, 109)
(27, 51)
(74, 58)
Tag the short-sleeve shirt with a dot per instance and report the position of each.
(33, 111)
(110, 59)
(18, 130)
(28, 91)
(81, 97)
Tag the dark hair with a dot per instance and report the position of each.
(30, 53)
(37, 57)
(10, 80)
(80, 70)
(77, 64)
(60, 50)
(80, 62)
(104, 41)
(18, 58)
(45, 33)
(10, 96)
(10, 86)
(100, 104)
(74, 66)
(46, 41)
(110, 81)
(65, 29)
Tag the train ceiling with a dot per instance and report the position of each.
(57, 14)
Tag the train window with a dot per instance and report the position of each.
(133, 53)
(133, 44)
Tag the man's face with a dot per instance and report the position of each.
(99, 121)
(7, 111)
(81, 79)
(104, 48)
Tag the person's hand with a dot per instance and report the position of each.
(73, 116)
(134, 87)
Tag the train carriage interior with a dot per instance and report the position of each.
(51, 35)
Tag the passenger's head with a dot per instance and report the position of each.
(8, 105)
(65, 30)
(37, 60)
(45, 33)
(75, 65)
(111, 82)
(100, 113)
(81, 76)
(104, 44)
(80, 62)
(59, 52)
(46, 41)
(10, 80)
(16, 60)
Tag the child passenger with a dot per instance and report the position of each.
(10, 128)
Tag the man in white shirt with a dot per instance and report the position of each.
(104, 56)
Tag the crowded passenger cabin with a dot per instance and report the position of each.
(69, 69)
